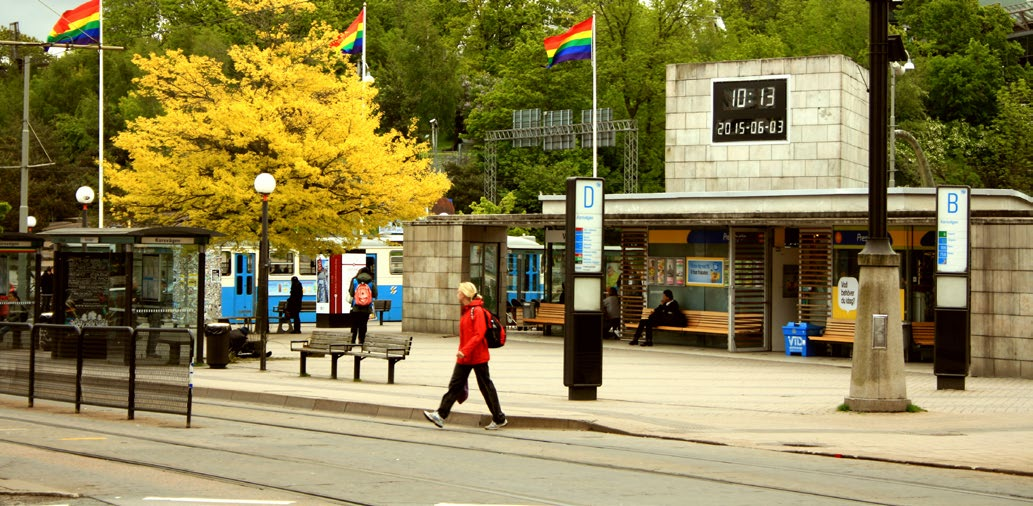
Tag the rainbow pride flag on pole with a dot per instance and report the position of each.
(80, 25)
(352, 38)
(576, 44)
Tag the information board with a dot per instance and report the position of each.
(952, 212)
(588, 226)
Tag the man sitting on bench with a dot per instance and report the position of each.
(667, 314)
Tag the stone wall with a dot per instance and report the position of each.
(828, 129)
(1002, 298)
(435, 261)
(433, 267)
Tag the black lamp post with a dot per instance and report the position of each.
(85, 197)
(264, 185)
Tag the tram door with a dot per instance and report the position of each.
(243, 284)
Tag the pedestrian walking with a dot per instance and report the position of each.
(294, 304)
(472, 355)
(363, 291)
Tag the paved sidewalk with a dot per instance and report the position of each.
(757, 400)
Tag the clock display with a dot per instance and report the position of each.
(750, 111)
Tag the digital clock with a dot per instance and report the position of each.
(754, 110)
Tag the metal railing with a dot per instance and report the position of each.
(146, 369)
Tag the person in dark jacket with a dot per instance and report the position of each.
(472, 355)
(294, 304)
(360, 314)
(668, 314)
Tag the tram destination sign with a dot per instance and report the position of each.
(750, 110)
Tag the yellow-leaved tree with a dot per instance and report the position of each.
(293, 108)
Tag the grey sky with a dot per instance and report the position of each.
(35, 17)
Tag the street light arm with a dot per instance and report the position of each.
(923, 166)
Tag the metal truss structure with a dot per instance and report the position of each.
(628, 126)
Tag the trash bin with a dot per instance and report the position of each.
(217, 350)
(795, 335)
(529, 311)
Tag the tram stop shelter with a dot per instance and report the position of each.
(132, 277)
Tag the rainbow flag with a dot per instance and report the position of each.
(351, 39)
(576, 44)
(80, 25)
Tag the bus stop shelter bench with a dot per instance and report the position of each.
(320, 344)
(283, 317)
(710, 322)
(390, 348)
(549, 313)
(838, 330)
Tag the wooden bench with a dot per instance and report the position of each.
(548, 314)
(709, 322)
(380, 307)
(837, 330)
(390, 348)
(923, 333)
(322, 343)
(283, 317)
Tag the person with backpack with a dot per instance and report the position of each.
(363, 292)
(472, 355)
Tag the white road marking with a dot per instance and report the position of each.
(214, 501)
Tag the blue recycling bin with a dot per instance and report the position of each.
(796, 336)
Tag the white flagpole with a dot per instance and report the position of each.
(362, 75)
(100, 121)
(595, 108)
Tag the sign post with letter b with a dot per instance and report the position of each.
(952, 355)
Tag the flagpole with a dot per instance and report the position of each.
(362, 75)
(100, 120)
(595, 107)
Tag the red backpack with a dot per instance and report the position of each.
(363, 295)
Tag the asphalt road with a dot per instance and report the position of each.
(250, 454)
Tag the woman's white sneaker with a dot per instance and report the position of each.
(435, 417)
(497, 426)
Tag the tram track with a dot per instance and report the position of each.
(596, 454)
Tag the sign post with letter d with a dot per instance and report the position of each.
(583, 311)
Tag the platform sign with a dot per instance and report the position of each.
(952, 213)
(588, 225)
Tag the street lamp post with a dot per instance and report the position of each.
(30, 223)
(264, 185)
(877, 373)
(85, 197)
(434, 143)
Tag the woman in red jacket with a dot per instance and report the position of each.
(471, 356)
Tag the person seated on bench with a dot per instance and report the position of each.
(294, 304)
(667, 314)
(612, 311)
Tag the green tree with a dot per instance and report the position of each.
(280, 108)
(1011, 142)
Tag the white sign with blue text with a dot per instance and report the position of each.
(952, 213)
(588, 226)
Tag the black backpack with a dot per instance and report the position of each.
(494, 332)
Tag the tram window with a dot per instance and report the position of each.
(281, 264)
(396, 262)
(307, 265)
(225, 260)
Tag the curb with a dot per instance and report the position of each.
(396, 412)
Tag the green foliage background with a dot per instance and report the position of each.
(470, 64)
